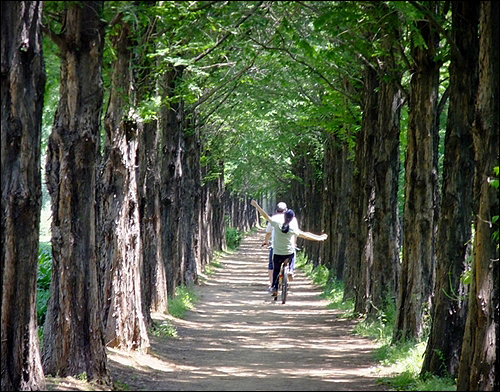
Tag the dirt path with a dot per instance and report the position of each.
(237, 338)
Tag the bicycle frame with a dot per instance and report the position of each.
(283, 280)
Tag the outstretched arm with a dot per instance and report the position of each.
(312, 237)
(266, 240)
(264, 213)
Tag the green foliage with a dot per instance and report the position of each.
(184, 299)
(44, 265)
(42, 299)
(406, 359)
(82, 376)
(381, 327)
(165, 330)
(233, 238)
(44, 277)
(120, 386)
(210, 268)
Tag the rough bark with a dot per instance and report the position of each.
(478, 362)
(23, 83)
(154, 274)
(337, 179)
(449, 307)
(421, 204)
(359, 246)
(173, 148)
(305, 198)
(191, 203)
(206, 224)
(120, 242)
(154, 278)
(73, 333)
(219, 224)
(383, 277)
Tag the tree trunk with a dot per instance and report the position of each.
(421, 204)
(384, 271)
(449, 307)
(337, 177)
(191, 203)
(173, 148)
(23, 83)
(383, 277)
(479, 362)
(154, 274)
(154, 288)
(120, 238)
(219, 213)
(73, 334)
(359, 248)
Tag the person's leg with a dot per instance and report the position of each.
(270, 268)
(292, 267)
(277, 261)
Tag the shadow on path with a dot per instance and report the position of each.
(238, 338)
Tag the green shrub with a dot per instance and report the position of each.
(44, 277)
(184, 299)
(42, 299)
(44, 266)
(233, 237)
(165, 329)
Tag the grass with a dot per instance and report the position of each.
(165, 330)
(404, 359)
(184, 299)
(210, 268)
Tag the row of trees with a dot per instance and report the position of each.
(209, 103)
(127, 212)
(359, 198)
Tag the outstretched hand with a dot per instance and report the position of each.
(323, 236)
(254, 203)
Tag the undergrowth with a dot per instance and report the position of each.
(183, 300)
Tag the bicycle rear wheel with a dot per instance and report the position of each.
(284, 286)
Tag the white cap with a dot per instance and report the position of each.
(281, 206)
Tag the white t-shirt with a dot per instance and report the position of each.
(269, 228)
(283, 243)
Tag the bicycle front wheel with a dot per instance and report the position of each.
(284, 287)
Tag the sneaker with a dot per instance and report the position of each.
(275, 294)
(290, 277)
(270, 289)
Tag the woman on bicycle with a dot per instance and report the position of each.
(285, 228)
(281, 207)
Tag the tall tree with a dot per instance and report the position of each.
(383, 216)
(120, 242)
(173, 149)
(449, 305)
(148, 167)
(73, 331)
(421, 205)
(359, 250)
(337, 177)
(478, 370)
(23, 83)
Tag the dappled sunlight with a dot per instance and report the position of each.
(238, 338)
